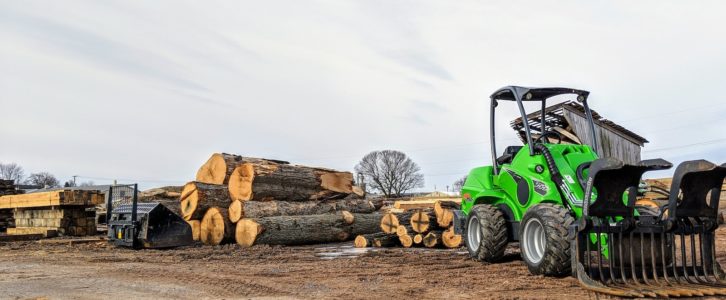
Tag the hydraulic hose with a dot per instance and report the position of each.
(556, 175)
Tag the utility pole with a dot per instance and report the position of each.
(74, 180)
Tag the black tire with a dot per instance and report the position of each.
(554, 220)
(493, 233)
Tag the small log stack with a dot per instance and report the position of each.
(427, 227)
(255, 201)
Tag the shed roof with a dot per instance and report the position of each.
(554, 117)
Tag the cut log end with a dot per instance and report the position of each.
(431, 240)
(401, 231)
(389, 223)
(214, 170)
(195, 225)
(418, 239)
(188, 200)
(340, 182)
(444, 216)
(215, 226)
(240, 182)
(420, 221)
(361, 242)
(246, 232)
(451, 239)
(348, 218)
(406, 241)
(236, 211)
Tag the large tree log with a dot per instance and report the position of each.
(261, 209)
(197, 197)
(268, 180)
(418, 239)
(405, 240)
(390, 221)
(444, 215)
(219, 167)
(451, 239)
(423, 220)
(216, 228)
(301, 230)
(433, 239)
(378, 239)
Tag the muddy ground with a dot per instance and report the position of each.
(98, 271)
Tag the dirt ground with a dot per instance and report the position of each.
(31, 270)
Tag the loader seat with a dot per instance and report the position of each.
(508, 155)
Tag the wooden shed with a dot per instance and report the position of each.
(569, 117)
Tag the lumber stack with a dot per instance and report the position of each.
(60, 212)
(53, 198)
(254, 201)
(70, 221)
(421, 227)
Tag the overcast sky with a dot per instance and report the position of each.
(145, 91)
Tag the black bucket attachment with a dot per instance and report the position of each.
(156, 227)
(621, 252)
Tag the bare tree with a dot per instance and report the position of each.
(12, 171)
(458, 184)
(43, 179)
(390, 172)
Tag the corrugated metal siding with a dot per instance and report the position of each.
(610, 144)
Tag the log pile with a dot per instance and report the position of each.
(422, 227)
(254, 201)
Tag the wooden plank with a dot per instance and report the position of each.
(568, 134)
(20, 237)
(52, 198)
(72, 241)
(421, 203)
(45, 231)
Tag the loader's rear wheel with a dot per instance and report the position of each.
(543, 240)
(486, 233)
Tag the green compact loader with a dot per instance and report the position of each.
(574, 213)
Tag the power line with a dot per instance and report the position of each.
(687, 145)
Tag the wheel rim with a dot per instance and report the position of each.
(473, 233)
(534, 240)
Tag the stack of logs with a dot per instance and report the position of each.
(427, 227)
(262, 201)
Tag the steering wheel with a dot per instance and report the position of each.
(540, 139)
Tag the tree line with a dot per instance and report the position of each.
(16, 173)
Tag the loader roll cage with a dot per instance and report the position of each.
(520, 94)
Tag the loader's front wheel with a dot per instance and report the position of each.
(543, 240)
(486, 233)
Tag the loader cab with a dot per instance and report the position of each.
(520, 95)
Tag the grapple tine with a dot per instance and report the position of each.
(685, 267)
(598, 245)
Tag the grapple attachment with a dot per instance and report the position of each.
(623, 251)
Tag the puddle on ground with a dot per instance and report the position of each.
(342, 251)
(349, 251)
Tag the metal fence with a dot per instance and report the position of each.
(119, 195)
